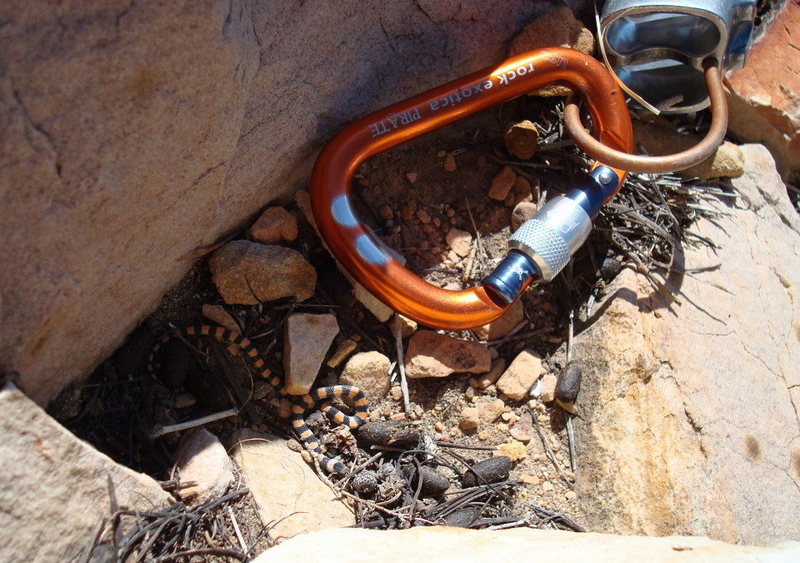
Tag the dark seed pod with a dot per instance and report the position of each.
(433, 482)
(463, 518)
(489, 470)
(365, 483)
(569, 382)
(387, 433)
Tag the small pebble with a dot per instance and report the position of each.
(185, 400)
(449, 163)
(547, 486)
(423, 217)
(513, 449)
(483, 435)
(439, 427)
(570, 495)
(469, 418)
(521, 139)
(547, 389)
(411, 177)
(502, 184)
(397, 392)
(343, 351)
(523, 429)
(386, 212)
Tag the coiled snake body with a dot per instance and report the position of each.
(352, 396)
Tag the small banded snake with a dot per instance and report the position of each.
(352, 396)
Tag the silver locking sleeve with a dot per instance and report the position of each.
(553, 235)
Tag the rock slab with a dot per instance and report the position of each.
(247, 273)
(275, 225)
(690, 413)
(307, 338)
(521, 374)
(56, 488)
(370, 372)
(285, 487)
(201, 114)
(441, 543)
(202, 459)
(431, 354)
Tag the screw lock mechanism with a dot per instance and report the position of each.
(657, 47)
(544, 244)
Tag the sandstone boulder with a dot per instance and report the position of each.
(246, 273)
(307, 338)
(689, 413)
(287, 492)
(56, 488)
(431, 354)
(441, 543)
(135, 134)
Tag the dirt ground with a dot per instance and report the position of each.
(410, 200)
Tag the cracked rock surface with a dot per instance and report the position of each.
(689, 410)
(135, 133)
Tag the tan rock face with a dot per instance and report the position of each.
(306, 341)
(247, 273)
(431, 354)
(134, 134)
(370, 372)
(285, 487)
(56, 487)
(520, 376)
(689, 413)
(441, 543)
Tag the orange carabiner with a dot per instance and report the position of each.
(331, 180)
